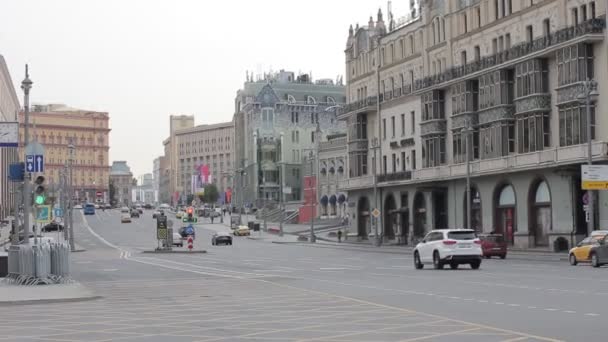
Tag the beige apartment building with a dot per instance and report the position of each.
(56, 126)
(204, 155)
(9, 109)
(508, 74)
(171, 188)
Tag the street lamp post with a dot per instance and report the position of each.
(467, 130)
(282, 187)
(589, 95)
(26, 85)
(313, 238)
(376, 221)
(71, 149)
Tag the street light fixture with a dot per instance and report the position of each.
(589, 95)
(467, 130)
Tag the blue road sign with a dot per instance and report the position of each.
(34, 163)
(58, 212)
(43, 213)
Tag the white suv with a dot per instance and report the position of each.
(449, 246)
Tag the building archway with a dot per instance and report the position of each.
(539, 201)
(476, 221)
(505, 202)
(390, 217)
(419, 215)
(363, 217)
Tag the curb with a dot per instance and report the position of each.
(49, 301)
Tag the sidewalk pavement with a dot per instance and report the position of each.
(16, 294)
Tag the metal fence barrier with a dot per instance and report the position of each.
(45, 263)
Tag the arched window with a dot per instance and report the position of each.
(505, 205)
(540, 221)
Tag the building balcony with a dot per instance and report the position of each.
(397, 176)
(592, 28)
(356, 145)
(533, 103)
(356, 183)
(363, 106)
(553, 157)
(434, 126)
(496, 113)
(462, 119)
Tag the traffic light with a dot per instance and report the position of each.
(39, 190)
(190, 212)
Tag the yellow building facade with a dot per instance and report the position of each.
(55, 127)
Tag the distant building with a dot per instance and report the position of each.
(173, 189)
(9, 109)
(204, 156)
(121, 178)
(331, 171)
(143, 192)
(57, 126)
(276, 118)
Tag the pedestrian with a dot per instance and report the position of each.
(224, 211)
(212, 217)
(339, 235)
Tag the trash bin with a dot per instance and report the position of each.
(256, 227)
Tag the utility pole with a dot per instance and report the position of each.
(375, 175)
(65, 195)
(312, 203)
(377, 145)
(282, 182)
(467, 129)
(26, 85)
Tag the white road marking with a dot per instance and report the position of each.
(110, 269)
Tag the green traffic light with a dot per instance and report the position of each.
(39, 199)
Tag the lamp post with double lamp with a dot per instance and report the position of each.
(589, 95)
(467, 130)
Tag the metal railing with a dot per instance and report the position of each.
(45, 263)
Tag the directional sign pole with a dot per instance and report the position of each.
(26, 85)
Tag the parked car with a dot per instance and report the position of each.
(582, 251)
(135, 213)
(180, 214)
(221, 238)
(125, 218)
(493, 245)
(108, 206)
(241, 231)
(89, 209)
(96, 206)
(448, 246)
(125, 210)
(78, 206)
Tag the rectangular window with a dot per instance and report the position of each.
(402, 125)
(393, 125)
(383, 164)
(384, 129)
(507, 41)
(573, 124)
(494, 46)
(529, 33)
(583, 13)
(413, 161)
(413, 121)
(465, 23)
(463, 57)
(575, 16)
(477, 53)
(592, 8)
(394, 160)
(312, 137)
(546, 27)
(478, 16)
(403, 161)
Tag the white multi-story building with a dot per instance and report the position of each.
(508, 74)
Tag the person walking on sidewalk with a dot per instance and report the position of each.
(339, 235)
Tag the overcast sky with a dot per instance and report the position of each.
(143, 60)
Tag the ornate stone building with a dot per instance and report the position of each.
(508, 75)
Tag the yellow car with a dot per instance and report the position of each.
(179, 214)
(580, 253)
(242, 231)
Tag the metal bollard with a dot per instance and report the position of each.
(60, 260)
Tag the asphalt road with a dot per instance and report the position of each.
(260, 291)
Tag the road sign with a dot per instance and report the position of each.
(287, 190)
(9, 134)
(376, 213)
(99, 193)
(34, 163)
(58, 212)
(594, 177)
(190, 242)
(43, 213)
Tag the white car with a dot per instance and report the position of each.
(77, 206)
(449, 246)
(177, 240)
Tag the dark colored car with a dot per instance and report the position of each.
(184, 233)
(599, 253)
(148, 206)
(221, 238)
(52, 227)
(135, 213)
(493, 245)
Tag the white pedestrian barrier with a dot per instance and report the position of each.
(45, 263)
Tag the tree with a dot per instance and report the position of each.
(211, 194)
